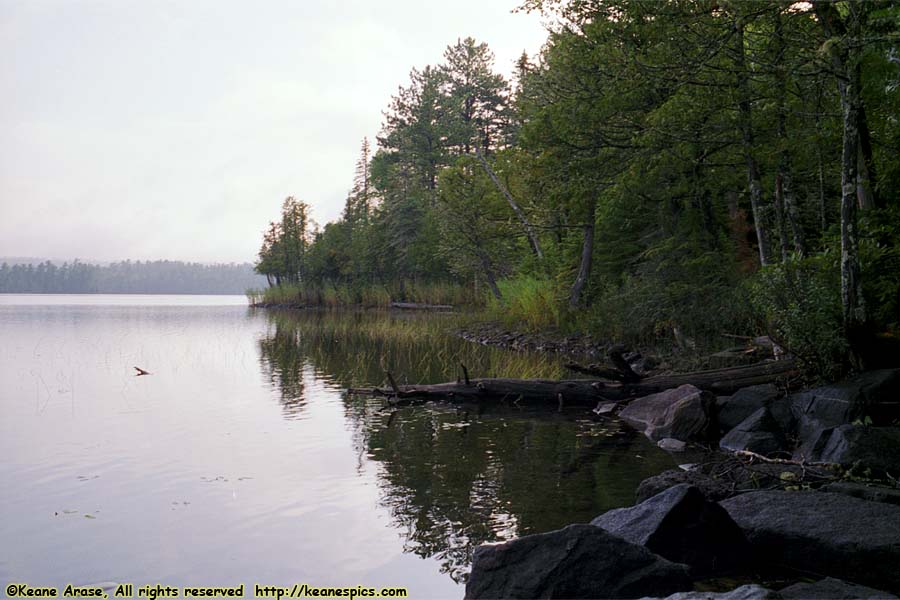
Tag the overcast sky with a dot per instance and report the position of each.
(150, 129)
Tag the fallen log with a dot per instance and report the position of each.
(588, 392)
(579, 392)
(596, 370)
(730, 379)
(419, 306)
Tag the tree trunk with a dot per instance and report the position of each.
(760, 212)
(785, 201)
(820, 163)
(845, 59)
(780, 222)
(854, 310)
(823, 208)
(489, 274)
(791, 208)
(864, 195)
(532, 238)
(870, 198)
(587, 257)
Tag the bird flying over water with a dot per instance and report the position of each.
(140, 372)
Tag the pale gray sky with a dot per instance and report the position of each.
(150, 129)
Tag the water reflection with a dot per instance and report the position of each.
(356, 348)
(284, 362)
(456, 477)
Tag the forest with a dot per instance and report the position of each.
(127, 277)
(676, 171)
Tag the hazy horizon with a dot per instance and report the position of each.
(57, 260)
(168, 130)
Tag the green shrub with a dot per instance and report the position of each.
(677, 286)
(799, 303)
(880, 261)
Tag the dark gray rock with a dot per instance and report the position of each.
(743, 403)
(713, 489)
(811, 439)
(758, 433)
(875, 448)
(830, 588)
(865, 492)
(579, 561)
(818, 411)
(745, 592)
(683, 413)
(822, 533)
(681, 525)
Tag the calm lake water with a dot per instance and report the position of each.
(240, 459)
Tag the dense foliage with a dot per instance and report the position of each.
(127, 277)
(661, 170)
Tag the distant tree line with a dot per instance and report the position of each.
(691, 166)
(127, 277)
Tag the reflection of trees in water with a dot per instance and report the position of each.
(454, 478)
(455, 481)
(283, 362)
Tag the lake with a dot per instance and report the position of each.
(241, 458)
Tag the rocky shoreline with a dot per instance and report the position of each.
(492, 334)
(803, 484)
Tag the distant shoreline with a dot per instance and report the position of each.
(241, 294)
(126, 277)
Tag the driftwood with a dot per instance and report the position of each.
(587, 392)
(419, 306)
(596, 370)
(620, 371)
(784, 461)
(618, 360)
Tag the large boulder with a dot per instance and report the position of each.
(824, 533)
(865, 492)
(713, 489)
(579, 561)
(830, 588)
(746, 401)
(681, 525)
(759, 433)
(745, 592)
(683, 413)
(875, 448)
(872, 394)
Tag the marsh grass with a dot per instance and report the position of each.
(335, 295)
(357, 348)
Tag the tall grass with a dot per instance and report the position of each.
(356, 348)
(527, 301)
(336, 295)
